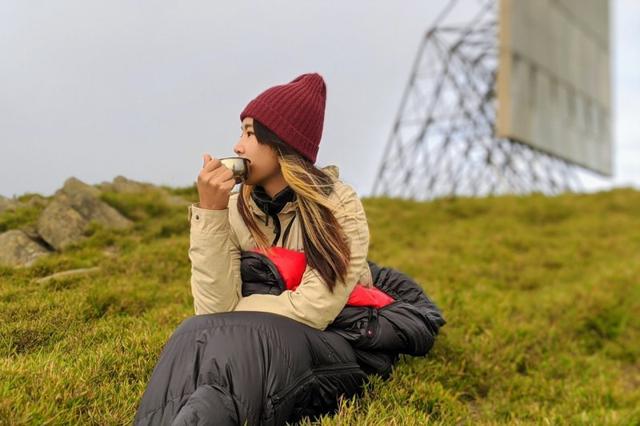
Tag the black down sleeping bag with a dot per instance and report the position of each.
(265, 369)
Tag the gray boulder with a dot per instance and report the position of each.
(85, 200)
(17, 249)
(31, 230)
(65, 220)
(76, 186)
(60, 224)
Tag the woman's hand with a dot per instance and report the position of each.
(215, 183)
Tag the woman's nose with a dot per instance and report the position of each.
(237, 149)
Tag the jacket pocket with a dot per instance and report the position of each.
(291, 390)
(279, 397)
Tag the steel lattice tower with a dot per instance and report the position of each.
(443, 141)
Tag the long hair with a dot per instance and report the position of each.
(325, 243)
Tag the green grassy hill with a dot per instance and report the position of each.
(541, 295)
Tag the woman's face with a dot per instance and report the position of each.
(264, 161)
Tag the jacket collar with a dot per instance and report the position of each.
(255, 203)
(272, 206)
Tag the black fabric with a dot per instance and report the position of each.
(262, 368)
(266, 369)
(259, 275)
(272, 206)
(409, 325)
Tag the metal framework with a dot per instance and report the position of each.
(443, 140)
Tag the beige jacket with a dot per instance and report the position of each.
(217, 238)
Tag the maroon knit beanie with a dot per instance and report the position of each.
(293, 111)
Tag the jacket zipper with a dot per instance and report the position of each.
(277, 398)
(344, 367)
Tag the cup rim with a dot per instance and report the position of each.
(234, 158)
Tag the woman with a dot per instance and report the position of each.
(320, 215)
(282, 362)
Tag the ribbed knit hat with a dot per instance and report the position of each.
(293, 111)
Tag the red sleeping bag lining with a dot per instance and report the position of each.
(291, 265)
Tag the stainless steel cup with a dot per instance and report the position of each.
(238, 165)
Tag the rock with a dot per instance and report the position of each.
(76, 186)
(85, 199)
(60, 225)
(31, 230)
(65, 220)
(17, 249)
(92, 208)
(37, 201)
(121, 184)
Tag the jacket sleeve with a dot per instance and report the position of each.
(312, 303)
(215, 261)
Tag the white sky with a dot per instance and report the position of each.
(97, 89)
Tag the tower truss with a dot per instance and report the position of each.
(443, 140)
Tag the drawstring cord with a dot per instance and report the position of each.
(286, 231)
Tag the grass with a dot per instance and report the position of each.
(541, 295)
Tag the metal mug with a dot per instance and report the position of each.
(238, 165)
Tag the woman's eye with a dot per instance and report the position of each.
(249, 133)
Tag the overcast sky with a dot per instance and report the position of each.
(142, 89)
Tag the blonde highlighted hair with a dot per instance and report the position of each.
(325, 243)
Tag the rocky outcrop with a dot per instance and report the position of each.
(66, 216)
(65, 220)
(17, 249)
(85, 199)
(37, 201)
(121, 184)
(60, 225)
